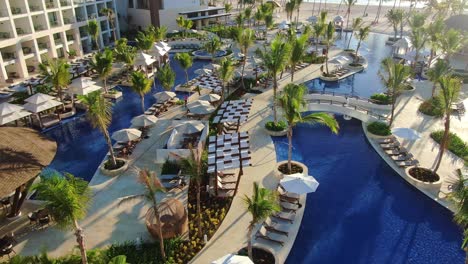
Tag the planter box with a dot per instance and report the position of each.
(276, 133)
(432, 186)
(329, 79)
(115, 95)
(281, 175)
(116, 172)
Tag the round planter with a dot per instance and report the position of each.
(376, 136)
(256, 250)
(329, 79)
(360, 67)
(409, 90)
(276, 133)
(435, 186)
(281, 175)
(115, 172)
(14, 218)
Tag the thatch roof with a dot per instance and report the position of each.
(24, 152)
(458, 22)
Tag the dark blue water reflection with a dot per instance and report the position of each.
(363, 212)
(81, 148)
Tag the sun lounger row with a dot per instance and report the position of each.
(185, 46)
(397, 153)
(158, 108)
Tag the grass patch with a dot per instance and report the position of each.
(432, 107)
(278, 126)
(379, 129)
(381, 99)
(456, 145)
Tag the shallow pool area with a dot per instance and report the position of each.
(363, 211)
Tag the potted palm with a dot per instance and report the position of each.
(140, 85)
(72, 54)
(359, 61)
(293, 103)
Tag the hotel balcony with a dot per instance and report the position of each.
(5, 31)
(35, 8)
(22, 26)
(50, 4)
(64, 3)
(17, 10)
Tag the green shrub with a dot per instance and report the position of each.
(170, 167)
(19, 97)
(381, 99)
(379, 129)
(279, 126)
(432, 107)
(314, 59)
(456, 145)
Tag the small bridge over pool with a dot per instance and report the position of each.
(350, 106)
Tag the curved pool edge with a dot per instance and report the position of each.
(445, 203)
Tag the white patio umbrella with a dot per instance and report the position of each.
(298, 183)
(201, 107)
(203, 71)
(164, 96)
(210, 97)
(39, 98)
(158, 51)
(36, 108)
(5, 119)
(82, 86)
(144, 120)
(406, 133)
(233, 259)
(125, 135)
(7, 108)
(143, 59)
(190, 127)
(212, 66)
(404, 43)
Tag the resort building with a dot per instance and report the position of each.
(141, 13)
(34, 30)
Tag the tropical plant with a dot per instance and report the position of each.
(275, 60)
(144, 41)
(248, 15)
(395, 17)
(440, 69)
(293, 103)
(212, 46)
(166, 76)
(57, 74)
(361, 35)
(99, 115)
(227, 8)
(184, 24)
(452, 42)
(394, 79)
(261, 205)
(185, 61)
(435, 31)
(225, 73)
(298, 51)
(418, 38)
(66, 199)
(93, 31)
(153, 186)
(245, 38)
(289, 8)
(449, 91)
(297, 5)
(140, 85)
(319, 29)
(109, 13)
(357, 23)
(118, 260)
(416, 20)
(377, 15)
(240, 19)
(102, 64)
(329, 38)
(349, 4)
(124, 53)
(159, 33)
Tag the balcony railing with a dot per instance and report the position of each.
(21, 31)
(70, 38)
(58, 41)
(92, 16)
(64, 3)
(67, 20)
(27, 50)
(38, 27)
(80, 18)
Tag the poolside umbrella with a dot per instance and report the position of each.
(406, 133)
(10, 112)
(39, 98)
(190, 128)
(203, 71)
(126, 135)
(233, 259)
(144, 120)
(39, 107)
(200, 107)
(212, 66)
(210, 97)
(298, 183)
(7, 108)
(164, 96)
(143, 59)
(83, 86)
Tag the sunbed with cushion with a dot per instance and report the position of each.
(223, 182)
(289, 207)
(271, 227)
(403, 157)
(264, 234)
(396, 151)
(224, 187)
(388, 140)
(288, 217)
(390, 145)
(408, 163)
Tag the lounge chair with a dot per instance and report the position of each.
(265, 235)
(224, 182)
(272, 228)
(390, 145)
(388, 140)
(224, 187)
(404, 157)
(287, 197)
(407, 163)
(288, 217)
(396, 151)
(224, 174)
(289, 207)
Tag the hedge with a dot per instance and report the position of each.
(379, 129)
(456, 145)
(278, 126)
(432, 107)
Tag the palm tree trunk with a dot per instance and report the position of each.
(339, 8)
(113, 30)
(350, 37)
(81, 244)
(200, 232)
(290, 131)
(394, 4)
(401, 29)
(161, 239)
(393, 107)
(356, 60)
(249, 240)
(243, 68)
(365, 9)
(313, 8)
(433, 90)
(349, 14)
(109, 145)
(293, 69)
(275, 87)
(444, 142)
(320, 6)
(142, 103)
(105, 85)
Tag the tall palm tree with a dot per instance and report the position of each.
(240, 19)
(140, 85)
(319, 29)
(248, 15)
(435, 31)
(452, 42)
(440, 69)
(102, 64)
(167, 77)
(357, 23)
(329, 38)
(227, 9)
(297, 5)
(289, 8)
(377, 15)
(225, 73)
(93, 31)
(449, 91)
(67, 199)
(109, 13)
(153, 186)
(57, 74)
(275, 60)
(245, 39)
(184, 24)
(298, 51)
(394, 79)
(418, 38)
(349, 4)
(99, 115)
(361, 35)
(212, 46)
(185, 61)
(144, 41)
(124, 53)
(293, 103)
(261, 205)
(393, 17)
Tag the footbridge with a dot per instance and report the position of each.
(350, 106)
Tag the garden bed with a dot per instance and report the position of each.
(455, 145)
(423, 175)
(431, 107)
(379, 129)
(106, 168)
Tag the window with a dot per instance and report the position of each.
(130, 4)
(142, 4)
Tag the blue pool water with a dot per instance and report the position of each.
(363, 212)
(204, 53)
(82, 148)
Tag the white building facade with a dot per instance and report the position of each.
(32, 31)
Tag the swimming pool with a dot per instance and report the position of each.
(81, 148)
(364, 212)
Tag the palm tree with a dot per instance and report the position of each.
(435, 31)
(124, 53)
(227, 9)
(289, 8)
(459, 196)
(452, 42)
(185, 61)
(57, 74)
(99, 115)
(329, 38)
(245, 39)
(184, 24)
(349, 4)
(292, 101)
(357, 23)
(141, 85)
(393, 17)
(440, 69)
(225, 73)
(319, 29)
(248, 15)
(109, 13)
(297, 5)
(153, 186)
(167, 77)
(144, 41)
(93, 31)
(67, 199)
(377, 16)
(418, 38)
(212, 46)
(361, 35)
(240, 19)
(102, 64)
(275, 60)
(262, 204)
(159, 33)
(449, 91)
(394, 79)
(298, 51)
